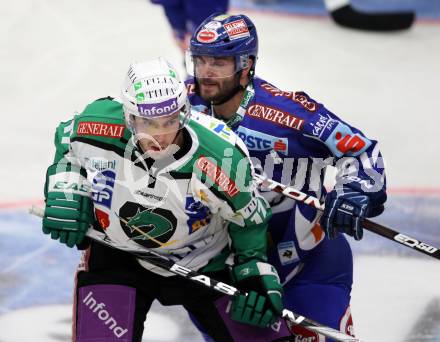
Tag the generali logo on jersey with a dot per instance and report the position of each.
(276, 116)
(216, 174)
(100, 129)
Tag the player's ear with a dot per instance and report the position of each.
(245, 74)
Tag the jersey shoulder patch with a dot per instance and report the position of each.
(216, 129)
(299, 98)
(101, 120)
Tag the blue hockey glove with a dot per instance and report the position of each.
(347, 205)
(69, 208)
(264, 302)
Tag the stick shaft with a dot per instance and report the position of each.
(373, 227)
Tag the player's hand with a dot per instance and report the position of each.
(264, 303)
(347, 205)
(69, 208)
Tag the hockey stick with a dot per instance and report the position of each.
(344, 14)
(367, 224)
(163, 262)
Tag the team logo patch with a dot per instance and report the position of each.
(149, 227)
(237, 29)
(276, 116)
(287, 252)
(100, 129)
(217, 175)
(199, 215)
(207, 36)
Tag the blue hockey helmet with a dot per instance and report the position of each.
(224, 35)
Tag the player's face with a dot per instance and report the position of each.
(157, 135)
(216, 76)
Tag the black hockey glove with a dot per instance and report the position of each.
(347, 205)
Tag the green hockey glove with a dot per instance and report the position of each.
(69, 208)
(264, 302)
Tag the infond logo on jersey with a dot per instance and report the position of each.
(257, 141)
(406, 240)
(103, 315)
(158, 109)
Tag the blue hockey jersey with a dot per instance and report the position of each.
(293, 139)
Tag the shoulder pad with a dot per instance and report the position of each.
(300, 98)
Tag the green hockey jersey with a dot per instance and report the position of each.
(195, 207)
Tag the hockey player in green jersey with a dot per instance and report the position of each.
(152, 175)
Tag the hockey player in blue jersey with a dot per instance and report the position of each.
(292, 137)
(184, 16)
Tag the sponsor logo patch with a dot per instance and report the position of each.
(217, 175)
(102, 218)
(237, 29)
(297, 97)
(100, 164)
(276, 116)
(100, 129)
(207, 36)
(102, 187)
(323, 123)
(349, 143)
(158, 109)
(257, 141)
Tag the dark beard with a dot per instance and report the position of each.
(232, 88)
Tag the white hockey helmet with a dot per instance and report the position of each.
(154, 90)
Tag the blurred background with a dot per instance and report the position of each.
(57, 56)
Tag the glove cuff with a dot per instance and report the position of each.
(67, 178)
(253, 268)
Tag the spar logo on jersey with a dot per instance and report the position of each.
(275, 116)
(338, 137)
(102, 187)
(258, 141)
(199, 215)
(100, 129)
(217, 175)
(349, 143)
(298, 97)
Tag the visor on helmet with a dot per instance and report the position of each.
(205, 66)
